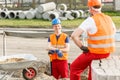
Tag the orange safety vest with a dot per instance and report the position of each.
(60, 43)
(102, 41)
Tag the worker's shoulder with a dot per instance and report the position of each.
(88, 19)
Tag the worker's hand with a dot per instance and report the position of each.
(59, 53)
(51, 51)
(84, 49)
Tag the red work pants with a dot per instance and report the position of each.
(60, 69)
(82, 62)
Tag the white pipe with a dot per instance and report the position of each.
(38, 15)
(22, 14)
(62, 18)
(66, 12)
(75, 14)
(81, 13)
(68, 15)
(62, 7)
(46, 15)
(30, 14)
(86, 13)
(4, 14)
(17, 13)
(55, 14)
(12, 14)
(46, 7)
(58, 12)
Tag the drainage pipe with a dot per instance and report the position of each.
(22, 14)
(30, 14)
(4, 14)
(75, 13)
(38, 15)
(12, 14)
(55, 14)
(46, 7)
(81, 13)
(68, 15)
(46, 15)
(86, 13)
(62, 7)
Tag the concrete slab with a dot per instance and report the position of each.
(111, 72)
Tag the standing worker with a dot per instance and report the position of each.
(100, 30)
(58, 46)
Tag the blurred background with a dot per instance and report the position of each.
(71, 4)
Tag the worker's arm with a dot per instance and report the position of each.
(63, 49)
(76, 37)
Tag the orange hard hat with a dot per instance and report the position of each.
(94, 3)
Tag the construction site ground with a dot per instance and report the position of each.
(37, 46)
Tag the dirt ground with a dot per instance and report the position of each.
(37, 47)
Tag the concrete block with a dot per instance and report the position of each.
(107, 69)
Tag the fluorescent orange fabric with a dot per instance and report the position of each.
(102, 41)
(94, 3)
(60, 43)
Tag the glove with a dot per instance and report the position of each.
(84, 49)
(51, 51)
(59, 53)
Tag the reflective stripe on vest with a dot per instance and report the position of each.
(100, 37)
(101, 45)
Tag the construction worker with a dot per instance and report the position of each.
(100, 30)
(58, 46)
